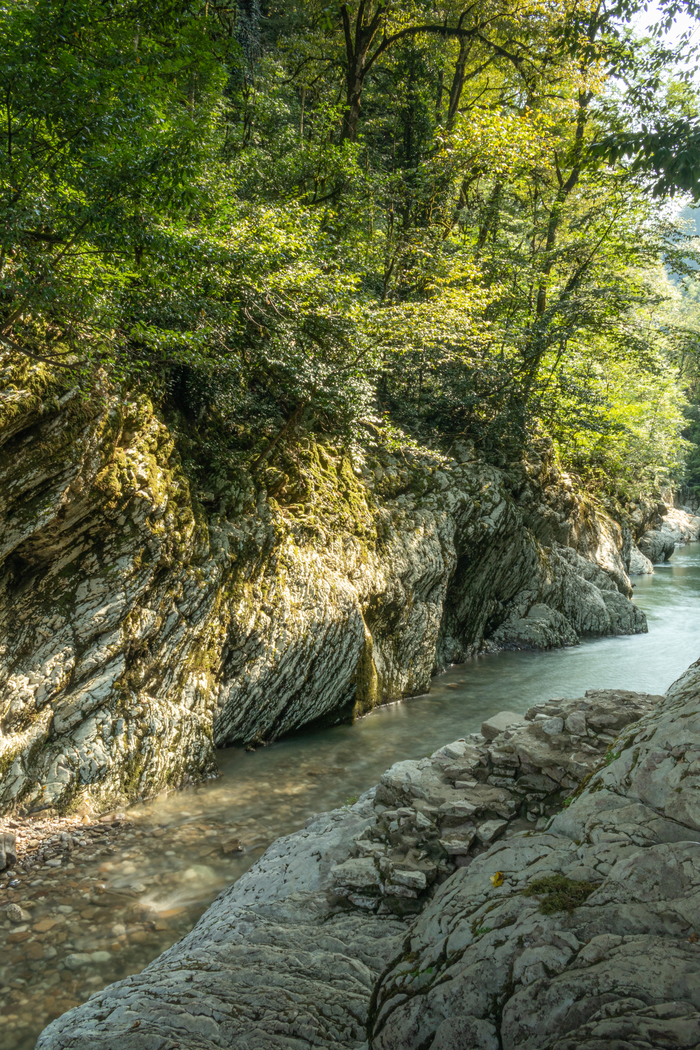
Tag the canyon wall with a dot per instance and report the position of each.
(145, 621)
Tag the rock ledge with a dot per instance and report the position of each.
(392, 925)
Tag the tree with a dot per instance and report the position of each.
(106, 111)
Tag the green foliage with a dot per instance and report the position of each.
(559, 893)
(479, 931)
(322, 216)
(104, 127)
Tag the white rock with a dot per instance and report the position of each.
(498, 724)
(640, 565)
(576, 723)
(490, 830)
(414, 880)
(358, 873)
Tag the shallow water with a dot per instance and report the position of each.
(280, 785)
(145, 888)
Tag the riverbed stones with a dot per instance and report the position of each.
(59, 918)
(15, 913)
(8, 849)
(373, 889)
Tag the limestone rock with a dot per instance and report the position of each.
(144, 622)
(622, 964)
(291, 953)
(657, 545)
(490, 830)
(677, 527)
(683, 525)
(640, 565)
(540, 628)
(497, 724)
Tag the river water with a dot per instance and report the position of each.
(115, 908)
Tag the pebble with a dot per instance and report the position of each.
(231, 846)
(15, 913)
(45, 924)
(121, 917)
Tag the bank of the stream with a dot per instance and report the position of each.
(129, 891)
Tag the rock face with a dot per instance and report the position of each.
(677, 527)
(589, 937)
(640, 565)
(144, 622)
(291, 955)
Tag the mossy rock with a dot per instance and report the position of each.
(559, 893)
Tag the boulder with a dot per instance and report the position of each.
(640, 565)
(682, 524)
(8, 849)
(540, 628)
(657, 545)
(497, 724)
(677, 527)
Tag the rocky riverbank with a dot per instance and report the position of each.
(451, 906)
(678, 526)
(146, 620)
(75, 910)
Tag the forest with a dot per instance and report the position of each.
(429, 221)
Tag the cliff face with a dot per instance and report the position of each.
(143, 623)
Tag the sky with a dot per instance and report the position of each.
(681, 24)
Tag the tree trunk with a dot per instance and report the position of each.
(286, 427)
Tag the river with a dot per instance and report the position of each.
(119, 906)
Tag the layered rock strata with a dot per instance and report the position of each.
(143, 621)
(299, 952)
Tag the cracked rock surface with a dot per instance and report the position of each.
(656, 545)
(379, 924)
(622, 968)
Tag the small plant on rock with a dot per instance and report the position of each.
(559, 893)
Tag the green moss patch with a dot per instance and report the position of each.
(559, 893)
